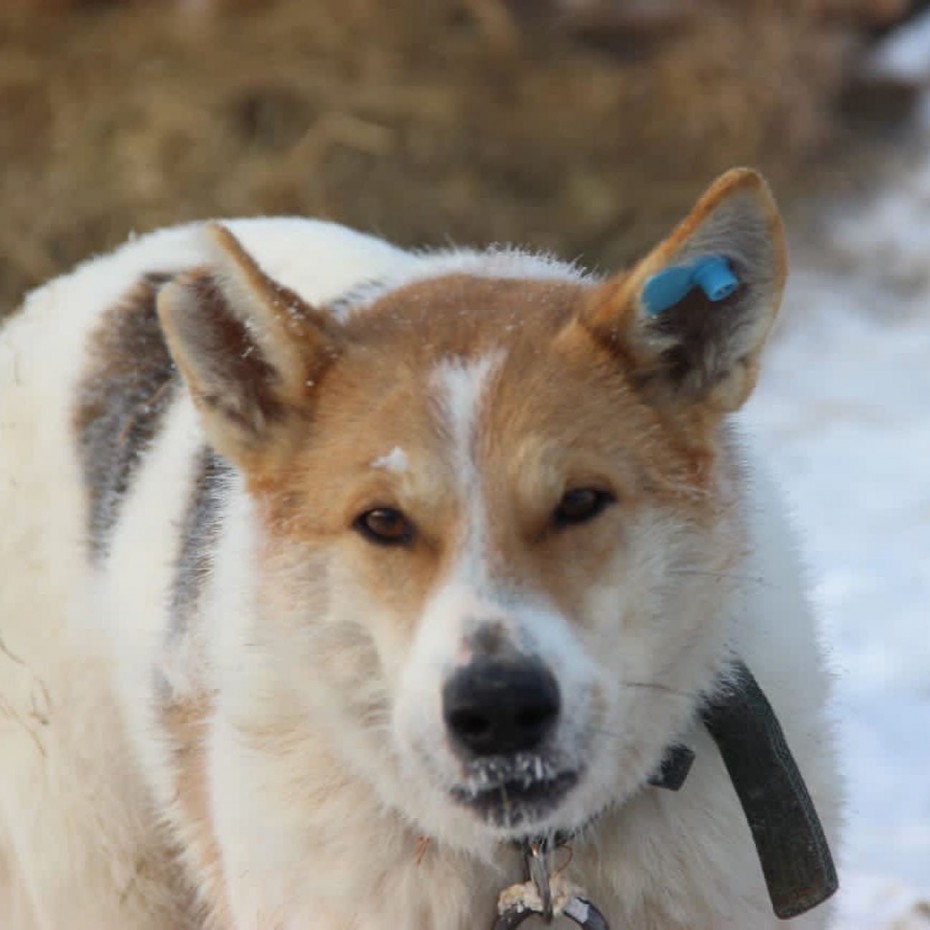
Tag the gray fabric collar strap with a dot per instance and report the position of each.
(789, 838)
(793, 851)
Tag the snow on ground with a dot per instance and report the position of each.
(843, 410)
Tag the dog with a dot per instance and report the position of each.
(339, 582)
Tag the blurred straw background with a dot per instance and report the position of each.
(586, 127)
(583, 126)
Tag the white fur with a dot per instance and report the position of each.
(461, 389)
(318, 831)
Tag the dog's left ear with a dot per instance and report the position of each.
(690, 320)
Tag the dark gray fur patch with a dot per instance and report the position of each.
(127, 385)
(199, 534)
(357, 296)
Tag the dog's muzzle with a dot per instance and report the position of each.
(500, 715)
(500, 707)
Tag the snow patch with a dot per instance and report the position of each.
(395, 461)
(842, 412)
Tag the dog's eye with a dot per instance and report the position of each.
(579, 505)
(385, 526)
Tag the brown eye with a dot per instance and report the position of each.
(579, 505)
(385, 526)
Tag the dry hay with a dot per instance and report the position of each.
(427, 122)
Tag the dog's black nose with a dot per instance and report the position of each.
(494, 707)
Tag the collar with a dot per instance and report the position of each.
(789, 838)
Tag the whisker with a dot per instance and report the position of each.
(597, 730)
(603, 731)
(658, 686)
(729, 576)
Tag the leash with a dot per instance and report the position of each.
(789, 838)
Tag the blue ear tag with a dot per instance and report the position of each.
(712, 275)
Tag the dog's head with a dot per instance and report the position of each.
(496, 514)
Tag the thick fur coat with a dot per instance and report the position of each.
(266, 488)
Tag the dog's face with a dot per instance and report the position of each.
(496, 515)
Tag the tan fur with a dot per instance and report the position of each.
(328, 481)
(185, 724)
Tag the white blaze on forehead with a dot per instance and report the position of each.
(460, 388)
(395, 461)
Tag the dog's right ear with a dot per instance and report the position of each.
(250, 350)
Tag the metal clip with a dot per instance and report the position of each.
(578, 910)
(535, 898)
(537, 864)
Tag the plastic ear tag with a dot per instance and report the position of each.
(713, 275)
